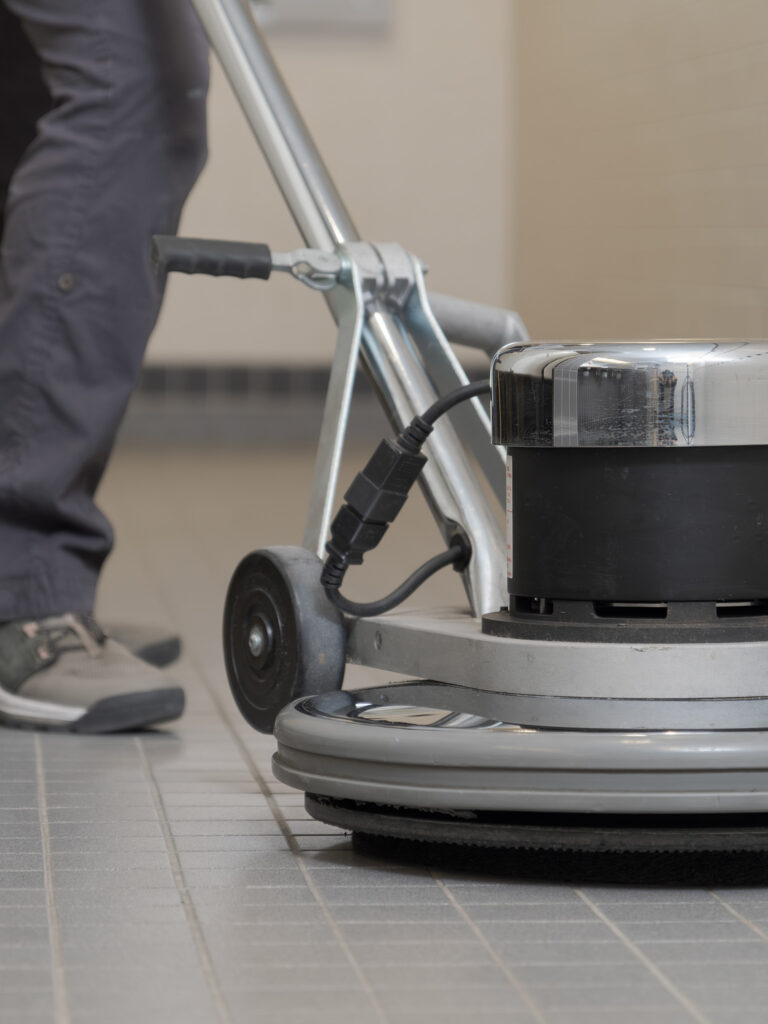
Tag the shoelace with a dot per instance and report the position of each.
(54, 631)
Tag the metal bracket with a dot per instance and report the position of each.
(315, 268)
(360, 279)
(372, 277)
(447, 373)
(390, 356)
(351, 315)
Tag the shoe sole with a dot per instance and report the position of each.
(111, 714)
(131, 711)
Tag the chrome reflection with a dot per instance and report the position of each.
(406, 715)
(444, 707)
(354, 707)
(656, 394)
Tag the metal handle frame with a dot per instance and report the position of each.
(389, 353)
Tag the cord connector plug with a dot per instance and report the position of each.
(372, 502)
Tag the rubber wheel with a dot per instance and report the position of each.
(275, 596)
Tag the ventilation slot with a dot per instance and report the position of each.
(630, 609)
(741, 609)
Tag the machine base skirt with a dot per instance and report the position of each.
(425, 770)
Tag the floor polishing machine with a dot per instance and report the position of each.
(606, 687)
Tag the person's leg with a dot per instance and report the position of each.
(112, 162)
(117, 149)
(24, 98)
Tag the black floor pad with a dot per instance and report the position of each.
(688, 869)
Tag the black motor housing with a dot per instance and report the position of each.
(622, 524)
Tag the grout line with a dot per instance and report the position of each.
(281, 821)
(293, 846)
(290, 839)
(740, 917)
(178, 876)
(339, 935)
(63, 1015)
(646, 961)
(522, 991)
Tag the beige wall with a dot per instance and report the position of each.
(416, 127)
(643, 167)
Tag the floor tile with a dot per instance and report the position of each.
(168, 876)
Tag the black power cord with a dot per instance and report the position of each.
(375, 498)
(447, 402)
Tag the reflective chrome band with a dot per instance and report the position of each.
(425, 704)
(647, 394)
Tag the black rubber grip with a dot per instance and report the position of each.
(207, 256)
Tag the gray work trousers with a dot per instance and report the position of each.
(102, 135)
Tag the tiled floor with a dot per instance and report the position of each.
(166, 877)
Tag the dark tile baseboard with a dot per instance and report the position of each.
(232, 381)
(240, 405)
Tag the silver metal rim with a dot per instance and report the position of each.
(344, 746)
(449, 645)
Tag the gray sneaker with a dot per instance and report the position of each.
(63, 672)
(157, 646)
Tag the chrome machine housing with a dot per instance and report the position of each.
(598, 721)
(649, 394)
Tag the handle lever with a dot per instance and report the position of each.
(314, 267)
